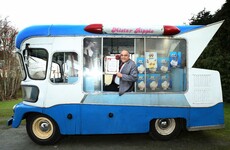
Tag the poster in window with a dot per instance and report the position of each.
(175, 59)
(141, 64)
(111, 65)
(163, 64)
(141, 82)
(151, 62)
(152, 81)
(166, 82)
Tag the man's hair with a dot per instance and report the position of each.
(125, 50)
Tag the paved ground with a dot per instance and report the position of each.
(17, 139)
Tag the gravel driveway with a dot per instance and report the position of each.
(17, 139)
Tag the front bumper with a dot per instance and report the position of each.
(10, 121)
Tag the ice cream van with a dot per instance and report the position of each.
(67, 73)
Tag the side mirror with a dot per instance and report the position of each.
(26, 56)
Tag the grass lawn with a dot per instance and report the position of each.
(6, 110)
(223, 133)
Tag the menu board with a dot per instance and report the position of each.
(111, 65)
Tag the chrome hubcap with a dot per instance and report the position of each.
(163, 123)
(165, 126)
(44, 126)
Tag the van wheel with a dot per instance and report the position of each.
(42, 129)
(165, 129)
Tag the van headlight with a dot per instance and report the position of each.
(14, 107)
(30, 93)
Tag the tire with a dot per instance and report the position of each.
(165, 129)
(42, 129)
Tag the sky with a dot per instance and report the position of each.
(24, 13)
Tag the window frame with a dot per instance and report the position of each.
(62, 69)
(26, 61)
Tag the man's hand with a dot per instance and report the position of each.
(119, 74)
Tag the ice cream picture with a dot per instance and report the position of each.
(166, 82)
(141, 85)
(164, 68)
(165, 85)
(141, 69)
(174, 63)
(153, 85)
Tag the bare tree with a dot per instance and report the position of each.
(9, 69)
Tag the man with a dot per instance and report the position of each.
(127, 73)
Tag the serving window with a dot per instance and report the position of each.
(161, 63)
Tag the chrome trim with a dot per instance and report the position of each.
(197, 128)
